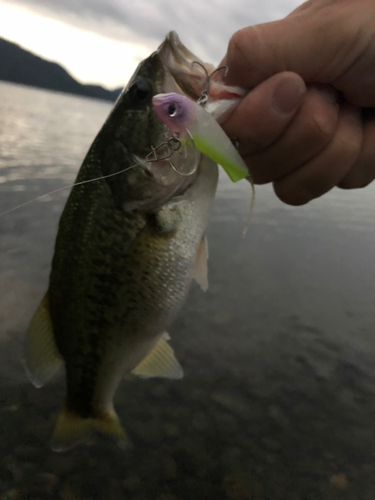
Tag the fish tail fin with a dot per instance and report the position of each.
(110, 425)
(71, 429)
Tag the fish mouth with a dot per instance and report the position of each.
(183, 76)
(186, 73)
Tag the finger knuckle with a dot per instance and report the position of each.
(361, 174)
(354, 182)
(242, 44)
(321, 128)
(350, 146)
(237, 44)
(237, 39)
(289, 195)
(260, 177)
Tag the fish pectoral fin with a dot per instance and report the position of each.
(71, 429)
(41, 357)
(169, 216)
(200, 266)
(160, 362)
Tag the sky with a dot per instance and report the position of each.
(102, 41)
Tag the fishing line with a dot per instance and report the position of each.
(250, 214)
(66, 187)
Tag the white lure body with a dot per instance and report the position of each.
(182, 115)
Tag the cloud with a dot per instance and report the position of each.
(204, 27)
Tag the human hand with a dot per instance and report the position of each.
(307, 141)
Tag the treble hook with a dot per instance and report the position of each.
(219, 69)
(203, 98)
(174, 142)
(172, 145)
(204, 69)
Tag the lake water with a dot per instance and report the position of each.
(278, 398)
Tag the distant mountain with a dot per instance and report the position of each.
(20, 66)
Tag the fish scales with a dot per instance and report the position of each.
(126, 251)
(117, 309)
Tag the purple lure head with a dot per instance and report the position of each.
(174, 110)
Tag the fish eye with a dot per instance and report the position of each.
(141, 90)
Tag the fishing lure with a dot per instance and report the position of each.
(191, 121)
(194, 131)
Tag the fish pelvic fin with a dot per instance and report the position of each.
(160, 362)
(41, 357)
(72, 429)
(200, 267)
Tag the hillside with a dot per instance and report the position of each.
(20, 66)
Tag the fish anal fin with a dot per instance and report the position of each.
(41, 357)
(160, 362)
(200, 267)
(71, 429)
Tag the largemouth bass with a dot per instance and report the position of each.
(127, 248)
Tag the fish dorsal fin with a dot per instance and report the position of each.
(160, 362)
(200, 267)
(42, 359)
